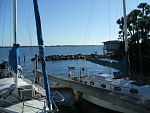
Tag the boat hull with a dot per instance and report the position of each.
(106, 104)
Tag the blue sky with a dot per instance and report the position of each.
(64, 22)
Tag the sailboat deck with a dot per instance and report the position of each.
(31, 106)
(6, 82)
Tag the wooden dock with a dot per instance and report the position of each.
(130, 102)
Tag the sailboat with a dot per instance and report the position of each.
(17, 94)
(114, 83)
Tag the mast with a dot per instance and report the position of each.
(15, 34)
(15, 21)
(14, 52)
(41, 52)
(125, 26)
(126, 61)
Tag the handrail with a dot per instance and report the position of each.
(25, 97)
(45, 102)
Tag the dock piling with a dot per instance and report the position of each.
(37, 79)
(78, 95)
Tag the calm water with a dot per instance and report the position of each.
(60, 68)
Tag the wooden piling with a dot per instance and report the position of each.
(37, 78)
(24, 57)
(77, 94)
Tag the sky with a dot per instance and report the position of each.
(64, 22)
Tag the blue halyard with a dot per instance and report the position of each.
(41, 51)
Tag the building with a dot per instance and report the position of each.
(111, 46)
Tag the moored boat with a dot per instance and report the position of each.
(17, 94)
(119, 82)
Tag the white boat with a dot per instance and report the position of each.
(119, 85)
(113, 82)
(17, 94)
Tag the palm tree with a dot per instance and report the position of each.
(144, 23)
(132, 19)
(121, 24)
(138, 23)
(138, 27)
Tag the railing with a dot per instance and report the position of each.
(55, 108)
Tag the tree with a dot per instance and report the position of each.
(121, 24)
(138, 24)
(138, 29)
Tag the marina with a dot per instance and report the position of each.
(61, 73)
(46, 77)
(61, 70)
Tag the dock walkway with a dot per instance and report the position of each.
(130, 102)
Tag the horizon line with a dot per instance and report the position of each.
(55, 45)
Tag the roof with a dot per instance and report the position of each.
(112, 41)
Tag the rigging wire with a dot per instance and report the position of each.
(28, 21)
(116, 19)
(3, 25)
(109, 28)
(10, 25)
(88, 28)
(128, 4)
(0, 22)
(87, 32)
(0, 9)
(109, 20)
(137, 2)
(28, 25)
(91, 17)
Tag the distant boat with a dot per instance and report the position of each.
(118, 82)
(17, 94)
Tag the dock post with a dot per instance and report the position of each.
(24, 57)
(78, 95)
(37, 79)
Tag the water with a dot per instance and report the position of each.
(60, 68)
